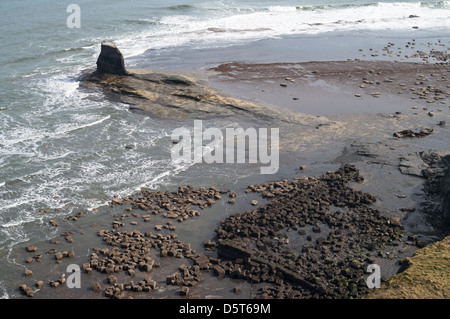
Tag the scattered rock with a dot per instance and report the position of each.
(255, 247)
(54, 222)
(184, 291)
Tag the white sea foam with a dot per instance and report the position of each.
(272, 21)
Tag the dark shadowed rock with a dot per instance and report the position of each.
(110, 60)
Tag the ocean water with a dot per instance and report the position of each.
(62, 147)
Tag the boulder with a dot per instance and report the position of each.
(110, 60)
(96, 287)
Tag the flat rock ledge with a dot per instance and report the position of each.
(170, 94)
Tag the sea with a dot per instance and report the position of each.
(68, 148)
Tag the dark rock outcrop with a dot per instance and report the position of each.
(437, 191)
(110, 60)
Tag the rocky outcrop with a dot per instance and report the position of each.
(110, 60)
(175, 94)
(169, 95)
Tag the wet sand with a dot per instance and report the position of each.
(350, 129)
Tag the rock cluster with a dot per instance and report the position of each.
(173, 205)
(110, 60)
(26, 290)
(131, 253)
(257, 242)
(409, 133)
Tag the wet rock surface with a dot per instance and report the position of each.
(424, 164)
(410, 133)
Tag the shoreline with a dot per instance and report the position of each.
(360, 139)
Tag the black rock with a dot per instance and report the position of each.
(110, 60)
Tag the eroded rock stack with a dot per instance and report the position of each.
(110, 60)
